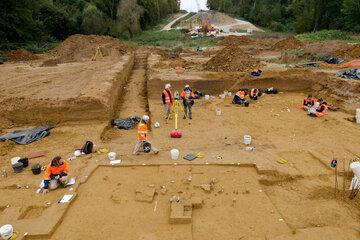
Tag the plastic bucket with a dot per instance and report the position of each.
(229, 94)
(355, 167)
(247, 139)
(15, 160)
(36, 169)
(174, 153)
(207, 97)
(218, 112)
(18, 167)
(24, 161)
(112, 156)
(6, 231)
(222, 96)
(77, 153)
(358, 116)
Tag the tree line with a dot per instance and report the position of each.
(295, 15)
(23, 21)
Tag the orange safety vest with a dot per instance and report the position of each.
(183, 94)
(168, 100)
(241, 94)
(142, 132)
(55, 170)
(325, 111)
(309, 102)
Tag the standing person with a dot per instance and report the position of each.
(168, 100)
(188, 96)
(142, 136)
(55, 174)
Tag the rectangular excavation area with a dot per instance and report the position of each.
(172, 202)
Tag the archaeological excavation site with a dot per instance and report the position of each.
(261, 168)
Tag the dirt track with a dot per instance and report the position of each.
(274, 201)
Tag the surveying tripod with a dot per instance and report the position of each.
(175, 111)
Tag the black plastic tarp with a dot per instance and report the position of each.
(127, 123)
(24, 137)
(333, 60)
(350, 74)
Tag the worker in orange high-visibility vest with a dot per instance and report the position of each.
(55, 174)
(320, 109)
(188, 97)
(308, 103)
(168, 100)
(142, 137)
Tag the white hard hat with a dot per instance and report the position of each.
(167, 86)
(6, 231)
(145, 118)
(187, 86)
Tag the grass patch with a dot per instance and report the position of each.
(171, 39)
(329, 35)
(177, 23)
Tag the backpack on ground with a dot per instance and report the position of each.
(88, 147)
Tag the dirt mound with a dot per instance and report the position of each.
(288, 43)
(231, 59)
(83, 47)
(349, 52)
(21, 55)
(235, 40)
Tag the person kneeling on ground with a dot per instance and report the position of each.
(239, 98)
(254, 93)
(142, 136)
(308, 103)
(320, 109)
(55, 174)
(188, 101)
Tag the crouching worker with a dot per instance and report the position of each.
(55, 174)
(239, 98)
(188, 101)
(142, 137)
(308, 103)
(254, 93)
(320, 109)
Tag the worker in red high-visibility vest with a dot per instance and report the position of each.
(168, 100)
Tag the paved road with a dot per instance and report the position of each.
(168, 26)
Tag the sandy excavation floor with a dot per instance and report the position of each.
(253, 196)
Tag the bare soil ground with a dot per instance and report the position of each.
(253, 196)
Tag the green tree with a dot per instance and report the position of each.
(93, 21)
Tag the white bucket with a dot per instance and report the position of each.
(77, 153)
(358, 116)
(218, 112)
(226, 92)
(174, 153)
(229, 94)
(247, 139)
(112, 156)
(207, 97)
(355, 167)
(15, 160)
(222, 96)
(6, 231)
(157, 125)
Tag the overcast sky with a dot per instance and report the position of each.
(191, 6)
